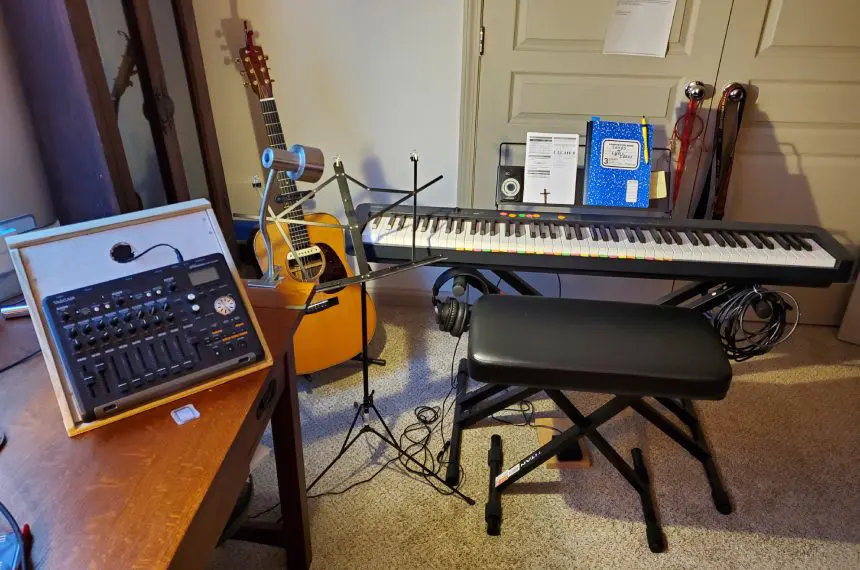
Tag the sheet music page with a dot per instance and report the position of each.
(640, 27)
(550, 170)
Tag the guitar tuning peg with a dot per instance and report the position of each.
(238, 60)
(271, 81)
(243, 72)
(266, 58)
(245, 83)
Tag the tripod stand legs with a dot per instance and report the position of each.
(388, 438)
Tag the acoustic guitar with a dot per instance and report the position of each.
(318, 254)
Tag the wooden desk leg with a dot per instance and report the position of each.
(290, 464)
(294, 533)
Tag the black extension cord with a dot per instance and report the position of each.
(743, 338)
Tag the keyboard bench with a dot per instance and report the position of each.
(632, 351)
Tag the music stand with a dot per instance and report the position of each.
(364, 275)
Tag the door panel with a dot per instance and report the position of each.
(543, 69)
(798, 158)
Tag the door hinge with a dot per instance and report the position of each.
(481, 41)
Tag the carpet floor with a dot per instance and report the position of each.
(786, 439)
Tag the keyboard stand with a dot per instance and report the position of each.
(472, 406)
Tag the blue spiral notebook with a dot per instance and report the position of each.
(616, 173)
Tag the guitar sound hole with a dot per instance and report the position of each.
(334, 268)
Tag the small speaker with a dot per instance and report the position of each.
(510, 184)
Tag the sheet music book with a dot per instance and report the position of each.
(550, 170)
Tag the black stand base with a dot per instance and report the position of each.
(637, 475)
(376, 361)
(363, 410)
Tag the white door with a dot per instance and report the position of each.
(543, 70)
(798, 159)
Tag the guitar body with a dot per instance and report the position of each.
(333, 335)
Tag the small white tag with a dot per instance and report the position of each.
(632, 190)
(185, 414)
(505, 475)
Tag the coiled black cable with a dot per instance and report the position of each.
(744, 338)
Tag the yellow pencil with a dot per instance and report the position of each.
(645, 138)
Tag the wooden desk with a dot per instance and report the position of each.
(145, 492)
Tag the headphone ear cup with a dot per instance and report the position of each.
(460, 321)
(446, 315)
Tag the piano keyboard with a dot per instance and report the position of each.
(609, 245)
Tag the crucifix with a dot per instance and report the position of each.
(545, 194)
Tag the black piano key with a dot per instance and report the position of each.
(392, 221)
(376, 222)
(533, 230)
(715, 235)
(703, 239)
(567, 233)
(508, 227)
(473, 227)
(613, 233)
(667, 237)
(795, 245)
(691, 237)
(754, 240)
(577, 231)
(553, 234)
(459, 226)
(604, 233)
(738, 239)
(484, 226)
(780, 240)
(595, 235)
(803, 243)
(765, 240)
(493, 227)
(730, 241)
(675, 236)
(631, 237)
(402, 222)
(518, 229)
(655, 235)
(542, 230)
(434, 227)
(640, 235)
(422, 223)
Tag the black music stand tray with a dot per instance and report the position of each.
(364, 275)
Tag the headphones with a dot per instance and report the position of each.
(452, 315)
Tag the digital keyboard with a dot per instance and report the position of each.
(608, 245)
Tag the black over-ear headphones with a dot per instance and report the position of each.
(452, 315)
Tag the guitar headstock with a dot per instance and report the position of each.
(256, 66)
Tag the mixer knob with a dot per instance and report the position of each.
(195, 308)
(156, 320)
(73, 332)
(87, 328)
(114, 321)
(144, 324)
(170, 316)
(191, 296)
(119, 301)
(127, 317)
(66, 315)
(158, 291)
(132, 329)
(91, 341)
(118, 333)
(171, 286)
(100, 325)
(76, 344)
(105, 336)
(139, 314)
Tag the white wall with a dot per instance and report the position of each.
(367, 80)
(23, 188)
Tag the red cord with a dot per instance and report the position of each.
(688, 118)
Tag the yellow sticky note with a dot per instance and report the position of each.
(658, 185)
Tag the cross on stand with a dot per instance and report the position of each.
(545, 194)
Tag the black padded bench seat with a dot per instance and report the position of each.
(522, 345)
(596, 346)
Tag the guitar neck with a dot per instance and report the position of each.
(298, 233)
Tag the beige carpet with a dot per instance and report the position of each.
(787, 440)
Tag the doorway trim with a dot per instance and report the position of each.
(469, 84)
